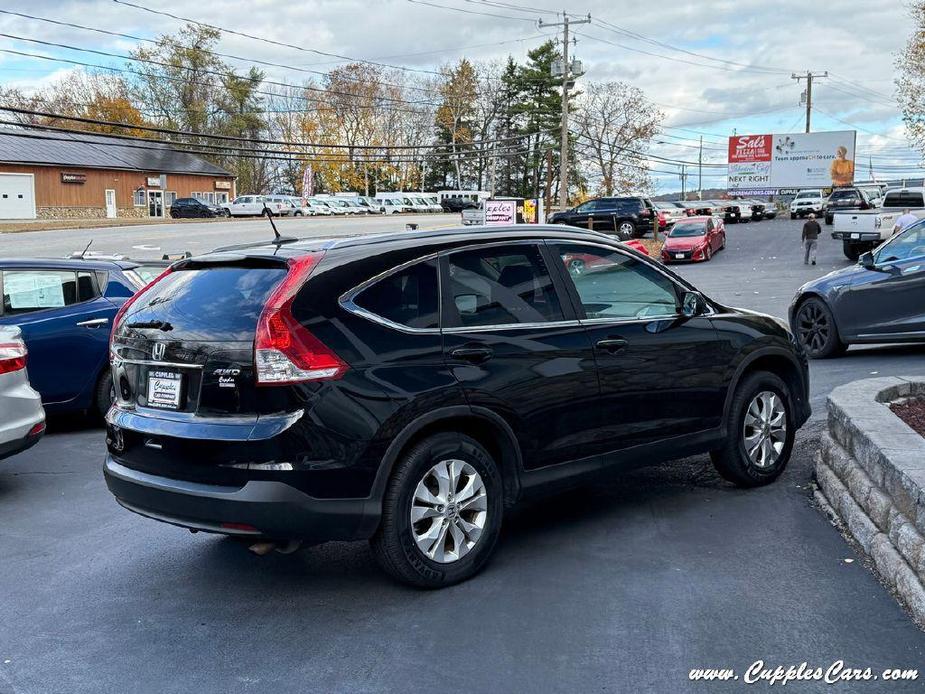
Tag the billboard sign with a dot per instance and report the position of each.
(791, 160)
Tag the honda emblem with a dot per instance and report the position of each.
(157, 351)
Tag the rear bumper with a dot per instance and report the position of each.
(10, 448)
(869, 236)
(270, 509)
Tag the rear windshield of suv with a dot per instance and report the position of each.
(844, 195)
(207, 304)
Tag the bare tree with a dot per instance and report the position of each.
(615, 125)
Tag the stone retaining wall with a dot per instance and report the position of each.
(871, 475)
(88, 212)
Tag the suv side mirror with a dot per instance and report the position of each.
(691, 304)
(867, 260)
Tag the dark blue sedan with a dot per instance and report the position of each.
(65, 310)
(879, 300)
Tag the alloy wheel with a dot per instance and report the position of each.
(576, 266)
(626, 230)
(764, 431)
(813, 327)
(449, 511)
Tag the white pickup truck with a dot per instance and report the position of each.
(863, 230)
(255, 205)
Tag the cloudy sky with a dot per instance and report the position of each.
(714, 68)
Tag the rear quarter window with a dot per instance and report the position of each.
(408, 297)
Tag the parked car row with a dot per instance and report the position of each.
(632, 217)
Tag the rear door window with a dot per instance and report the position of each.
(500, 285)
(409, 297)
(25, 291)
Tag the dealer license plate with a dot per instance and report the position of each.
(164, 389)
(855, 236)
(678, 255)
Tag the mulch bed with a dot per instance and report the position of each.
(912, 412)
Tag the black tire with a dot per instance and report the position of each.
(394, 545)
(628, 230)
(105, 394)
(852, 251)
(732, 461)
(817, 331)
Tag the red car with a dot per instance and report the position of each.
(694, 239)
(577, 263)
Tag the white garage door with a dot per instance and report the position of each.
(17, 196)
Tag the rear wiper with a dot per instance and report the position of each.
(151, 325)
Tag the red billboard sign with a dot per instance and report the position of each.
(745, 149)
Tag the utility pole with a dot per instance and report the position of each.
(809, 77)
(547, 197)
(569, 72)
(683, 181)
(700, 171)
(494, 164)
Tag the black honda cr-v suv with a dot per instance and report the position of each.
(408, 388)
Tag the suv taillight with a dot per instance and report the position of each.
(120, 314)
(12, 356)
(284, 349)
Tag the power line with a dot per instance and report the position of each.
(250, 140)
(168, 78)
(642, 37)
(263, 39)
(230, 56)
(207, 71)
(465, 11)
(272, 155)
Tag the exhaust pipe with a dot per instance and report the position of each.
(261, 549)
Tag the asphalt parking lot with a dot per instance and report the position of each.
(624, 586)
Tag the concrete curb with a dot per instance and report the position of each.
(871, 475)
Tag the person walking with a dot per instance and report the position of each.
(811, 231)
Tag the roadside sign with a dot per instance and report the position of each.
(791, 160)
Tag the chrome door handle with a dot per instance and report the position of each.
(611, 345)
(476, 355)
(93, 323)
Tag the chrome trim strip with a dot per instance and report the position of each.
(457, 330)
(147, 362)
(346, 300)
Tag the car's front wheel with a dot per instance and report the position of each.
(626, 231)
(760, 430)
(441, 514)
(816, 330)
